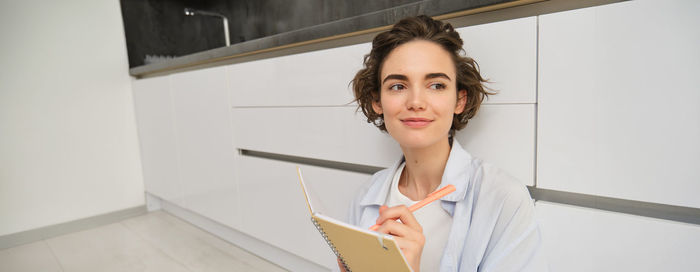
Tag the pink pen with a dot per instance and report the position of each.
(430, 198)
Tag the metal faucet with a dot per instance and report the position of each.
(193, 12)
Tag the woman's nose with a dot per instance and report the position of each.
(416, 100)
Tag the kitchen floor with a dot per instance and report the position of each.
(156, 241)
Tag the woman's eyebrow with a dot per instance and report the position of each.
(435, 75)
(428, 76)
(394, 76)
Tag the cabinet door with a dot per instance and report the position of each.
(155, 119)
(507, 55)
(582, 239)
(619, 102)
(205, 144)
(504, 135)
(275, 210)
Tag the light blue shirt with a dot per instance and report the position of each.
(494, 226)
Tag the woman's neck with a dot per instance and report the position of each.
(423, 171)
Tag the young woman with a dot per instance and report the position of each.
(417, 86)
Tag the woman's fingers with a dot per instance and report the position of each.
(408, 233)
(398, 229)
(400, 212)
(409, 247)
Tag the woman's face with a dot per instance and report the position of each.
(418, 94)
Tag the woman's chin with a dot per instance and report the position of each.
(417, 142)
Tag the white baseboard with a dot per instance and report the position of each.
(152, 202)
(25, 237)
(283, 258)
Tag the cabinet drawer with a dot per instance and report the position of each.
(318, 78)
(504, 135)
(507, 56)
(582, 239)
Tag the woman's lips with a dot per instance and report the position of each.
(416, 122)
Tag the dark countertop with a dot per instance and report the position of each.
(358, 25)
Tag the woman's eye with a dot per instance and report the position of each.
(437, 86)
(396, 87)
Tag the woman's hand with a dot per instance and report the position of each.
(407, 233)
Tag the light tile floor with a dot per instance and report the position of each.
(156, 242)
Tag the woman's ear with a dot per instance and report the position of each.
(377, 106)
(461, 101)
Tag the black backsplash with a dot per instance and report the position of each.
(160, 27)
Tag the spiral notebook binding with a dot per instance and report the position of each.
(335, 251)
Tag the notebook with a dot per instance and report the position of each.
(358, 249)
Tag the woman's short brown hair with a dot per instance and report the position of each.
(366, 85)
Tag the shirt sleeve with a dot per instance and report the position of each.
(515, 243)
(354, 214)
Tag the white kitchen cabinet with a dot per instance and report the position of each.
(583, 239)
(500, 134)
(274, 210)
(155, 121)
(619, 101)
(204, 138)
(617, 114)
(507, 56)
(318, 78)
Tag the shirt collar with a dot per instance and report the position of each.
(459, 165)
(457, 172)
(379, 189)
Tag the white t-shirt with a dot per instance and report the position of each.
(436, 223)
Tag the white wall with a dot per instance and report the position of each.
(68, 144)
